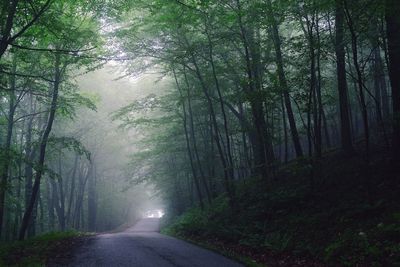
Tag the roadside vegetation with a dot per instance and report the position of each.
(287, 225)
(268, 128)
(37, 251)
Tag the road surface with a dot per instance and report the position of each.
(142, 246)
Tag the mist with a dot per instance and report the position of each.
(267, 131)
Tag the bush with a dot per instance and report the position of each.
(34, 251)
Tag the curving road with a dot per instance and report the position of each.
(142, 246)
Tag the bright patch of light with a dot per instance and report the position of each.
(154, 213)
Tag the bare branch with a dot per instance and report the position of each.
(30, 115)
(62, 51)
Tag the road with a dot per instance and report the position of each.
(143, 246)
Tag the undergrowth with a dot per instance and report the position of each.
(343, 222)
(36, 251)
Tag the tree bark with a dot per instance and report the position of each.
(7, 146)
(72, 189)
(345, 129)
(392, 11)
(92, 200)
(188, 147)
(282, 80)
(43, 145)
(260, 145)
(193, 136)
(6, 32)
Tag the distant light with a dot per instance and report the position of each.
(158, 213)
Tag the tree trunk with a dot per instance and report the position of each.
(50, 206)
(345, 129)
(193, 137)
(30, 154)
(392, 11)
(188, 147)
(225, 119)
(282, 80)
(92, 200)
(7, 146)
(227, 173)
(72, 189)
(260, 147)
(359, 80)
(43, 145)
(7, 29)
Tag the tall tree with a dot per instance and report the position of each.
(282, 79)
(392, 9)
(345, 129)
(58, 72)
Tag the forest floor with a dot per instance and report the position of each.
(38, 250)
(347, 215)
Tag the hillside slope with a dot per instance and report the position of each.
(350, 218)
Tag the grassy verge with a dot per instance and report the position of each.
(343, 222)
(36, 251)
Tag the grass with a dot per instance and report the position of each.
(36, 251)
(352, 218)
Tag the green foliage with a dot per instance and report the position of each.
(285, 219)
(277, 241)
(352, 247)
(35, 251)
(69, 143)
(70, 102)
(192, 223)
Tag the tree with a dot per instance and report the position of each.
(393, 40)
(10, 30)
(345, 129)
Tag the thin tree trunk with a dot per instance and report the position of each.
(72, 189)
(60, 189)
(43, 145)
(364, 111)
(392, 11)
(283, 82)
(320, 110)
(285, 134)
(30, 154)
(56, 201)
(92, 201)
(260, 148)
(188, 147)
(50, 206)
(7, 146)
(225, 166)
(225, 119)
(193, 136)
(345, 130)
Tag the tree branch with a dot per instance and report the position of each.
(62, 51)
(26, 75)
(29, 115)
(189, 6)
(30, 23)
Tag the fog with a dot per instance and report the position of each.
(268, 128)
(119, 200)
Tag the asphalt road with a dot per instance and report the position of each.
(142, 246)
